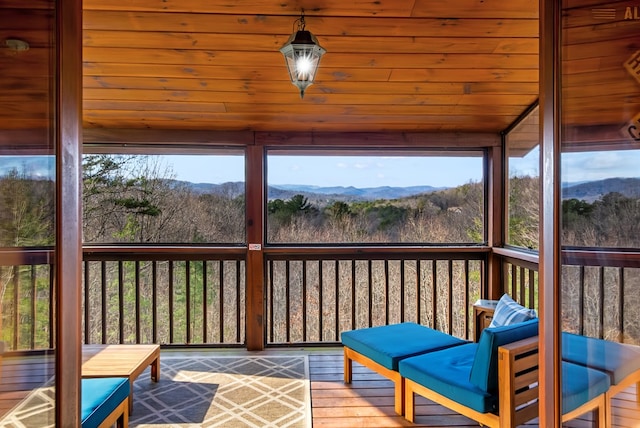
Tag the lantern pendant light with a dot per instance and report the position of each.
(302, 55)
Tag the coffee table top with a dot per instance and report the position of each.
(117, 360)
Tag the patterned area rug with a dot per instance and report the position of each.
(243, 391)
(204, 391)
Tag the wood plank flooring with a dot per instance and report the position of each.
(366, 402)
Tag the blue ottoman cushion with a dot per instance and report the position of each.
(447, 373)
(484, 373)
(387, 345)
(581, 384)
(100, 397)
(617, 359)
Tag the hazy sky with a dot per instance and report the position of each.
(366, 171)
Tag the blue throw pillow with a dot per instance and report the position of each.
(508, 312)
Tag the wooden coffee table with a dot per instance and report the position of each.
(121, 361)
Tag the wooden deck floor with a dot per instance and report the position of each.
(366, 402)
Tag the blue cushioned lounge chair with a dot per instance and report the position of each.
(466, 380)
(382, 348)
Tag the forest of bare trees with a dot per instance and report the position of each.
(136, 200)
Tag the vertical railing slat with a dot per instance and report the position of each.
(419, 291)
(370, 290)
(137, 298)
(205, 306)
(402, 290)
(467, 303)
(581, 298)
(353, 294)
(271, 303)
(187, 300)
(337, 306)
(601, 302)
(621, 305)
(238, 305)
(287, 307)
(304, 301)
(434, 294)
(154, 300)
(450, 307)
(221, 294)
(103, 289)
(15, 281)
(171, 301)
(320, 301)
(87, 302)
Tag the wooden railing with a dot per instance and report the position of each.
(313, 295)
(600, 290)
(196, 296)
(26, 296)
(165, 295)
(520, 276)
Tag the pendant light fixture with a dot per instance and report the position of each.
(302, 55)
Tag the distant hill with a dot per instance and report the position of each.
(313, 193)
(350, 192)
(593, 190)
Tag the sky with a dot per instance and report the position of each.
(366, 171)
(584, 166)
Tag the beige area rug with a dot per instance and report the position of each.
(203, 391)
(225, 391)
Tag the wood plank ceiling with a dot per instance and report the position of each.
(391, 66)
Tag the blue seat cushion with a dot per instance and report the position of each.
(581, 384)
(484, 373)
(617, 359)
(388, 344)
(447, 373)
(100, 397)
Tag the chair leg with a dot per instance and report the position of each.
(409, 404)
(348, 367)
(399, 396)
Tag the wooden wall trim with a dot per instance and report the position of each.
(68, 267)
(379, 139)
(550, 209)
(255, 266)
(495, 212)
(111, 136)
(103, 137)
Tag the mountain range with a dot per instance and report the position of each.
(588, 191)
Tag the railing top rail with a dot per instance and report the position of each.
(608, 258)
(381, 252)
(150, 253)
(20, 256)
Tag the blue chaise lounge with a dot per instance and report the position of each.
(495, 381)
(382, 348)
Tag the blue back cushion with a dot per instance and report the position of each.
(484, 372)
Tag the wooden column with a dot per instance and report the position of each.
(255, 275)
(549, 273)
(68, 251)
(495, 222)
